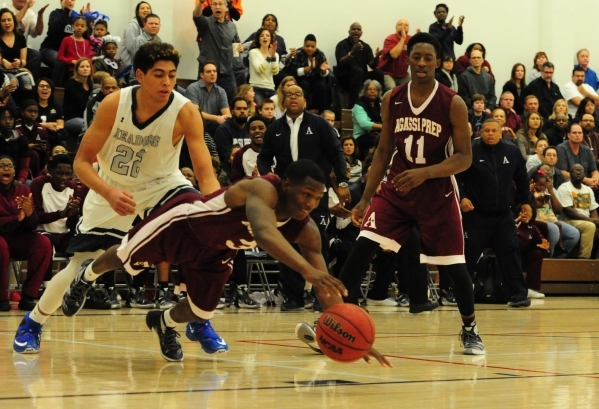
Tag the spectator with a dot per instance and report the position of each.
(507, 134)
(35, 135)
(189, 175)
(445, 74)
(528, 135)
(532, 248)
(559, 108)
(576, 90)
(587, 106)
(464, 61)
(366, 117)
(352, 152)
(590, 76)
(393, 60)
(29, 24)
(216, 36)
(76, 94)
(246, 92)
(477, 115)
(354, 57)
(18, 239)
(244, 160)
(210, 98)
(132, 31)
(311, 69)
(233, 131)
(14, 56)
(590, 138)
(545, 90)
(266, 109)
(271, 23)
(149, 33)
(534, 161)
(486, 192)
(537, 66)
(234, 9)
(516, 86)
(476, 81)
(580, 209)
(264, 64)
(558, 131)
(549, 161)
(512, 119)
(108, 86)
(50, 113)
(562, 237)
(14, 145)
(107, 61)
(446, 33)
(97, 38)
(531, 104)
(574, 152)
(329, 116)
(279, 98)
(74, 47)
(60, 25)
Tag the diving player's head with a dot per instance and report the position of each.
(155, 67)
(424, 53)
(302, 187)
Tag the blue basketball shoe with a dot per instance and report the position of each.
(210, 341)
(28, 337)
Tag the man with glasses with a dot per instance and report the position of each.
(14, 145)
(216, 36)
(300, 134)
(545, 90)
(476, 81)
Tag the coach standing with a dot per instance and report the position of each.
(302, 135)
(486, 192)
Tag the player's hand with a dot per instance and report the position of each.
(410, 179)
(325, 283)
(358, 212)
(466, 205)
(373, 353)
(121, 202)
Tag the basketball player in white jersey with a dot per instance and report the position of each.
(136, 139)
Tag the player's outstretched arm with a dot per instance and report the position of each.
(190, 124)
(98, 133)
(456, 163)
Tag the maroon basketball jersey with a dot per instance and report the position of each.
(423, 134)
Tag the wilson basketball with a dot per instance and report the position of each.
(345, 333)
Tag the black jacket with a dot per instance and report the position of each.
(489, 182)
(547, 95)
(317, 141)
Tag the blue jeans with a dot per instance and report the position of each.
(262, 93)
(227, 81)
(24, 81)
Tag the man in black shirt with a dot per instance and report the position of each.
(545, 90)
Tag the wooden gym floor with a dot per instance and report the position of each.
(545, 356)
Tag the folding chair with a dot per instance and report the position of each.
(255, 262)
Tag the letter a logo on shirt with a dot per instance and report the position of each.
(370, 222)
(309, 131)
(505, 160)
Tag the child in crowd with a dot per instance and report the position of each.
(36, 136)
(189, 175)
(97, 38)
(329, 116)
(266, 108)
(106, 61)
(535, 161)
(544, 203)
(477, 114)
(75, 47)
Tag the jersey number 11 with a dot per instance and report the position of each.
(419, 159)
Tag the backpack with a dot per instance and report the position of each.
(488, 282)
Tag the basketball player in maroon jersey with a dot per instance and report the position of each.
(426, 140)
(203, 233)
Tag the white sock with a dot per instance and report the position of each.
(168, 321)
(37, 316)
(89, 275)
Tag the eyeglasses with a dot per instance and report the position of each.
(7, 118)
(294, 94)
(8, 166)
(43, 86)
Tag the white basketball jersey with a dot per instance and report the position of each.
(137, 153)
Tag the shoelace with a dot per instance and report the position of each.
(76, 293)
(468, 337)
(170, 339)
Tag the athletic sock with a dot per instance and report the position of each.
(89, 275)
(37, 316)
(167, 320)
(469, 322)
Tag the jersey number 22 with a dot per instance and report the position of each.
(120, 163)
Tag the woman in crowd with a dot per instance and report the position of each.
(445, 74)
(351, 152)
(540, 59)
(134, 29)
(463, 62)
(529, 133)
(278, 98)
(560, 107)
(366, 116)
(76, 94)
(50, 113)
(587, 106)
(264, 65)
(18, 238)
(14, 53)
(271, 23)
(516, 85)
(246, 91)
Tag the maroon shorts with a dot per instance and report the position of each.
(433, 206)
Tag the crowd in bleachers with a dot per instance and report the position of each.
(242, 88)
